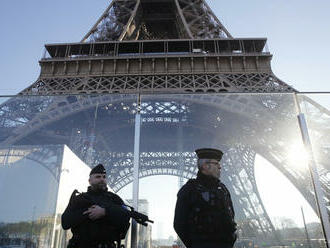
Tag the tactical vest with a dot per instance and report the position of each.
(90, 232)
(212, 214)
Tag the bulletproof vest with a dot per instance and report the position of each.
(212, 215)
(92, 231)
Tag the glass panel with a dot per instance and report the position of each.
(316, 108)
(48, 144)
(263, 166)
(28, 185)
(3, 99)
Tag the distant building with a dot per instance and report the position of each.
(144, 232)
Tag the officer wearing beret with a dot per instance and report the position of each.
(204, 213)
(98, 217)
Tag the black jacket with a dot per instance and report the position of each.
(196, 220)
(111, 227)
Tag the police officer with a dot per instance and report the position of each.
(98, 217)
(204, 214)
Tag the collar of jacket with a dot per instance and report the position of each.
(93, 191)
(207, 181)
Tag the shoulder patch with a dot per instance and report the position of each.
(115, 197)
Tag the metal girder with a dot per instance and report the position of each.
(128, 27)
(185, 24)
(239, 172)
(151, 163)
(211, 83)
(132, 19)
(201, 21)
(113, 22)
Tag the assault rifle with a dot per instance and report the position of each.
(86, 202)
(138, 217)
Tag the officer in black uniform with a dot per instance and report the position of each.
(98, 217)
(204, 213)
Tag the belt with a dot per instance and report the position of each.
(99, 245)
(105, 246)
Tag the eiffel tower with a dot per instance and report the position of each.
(162, 48)
(157, 46)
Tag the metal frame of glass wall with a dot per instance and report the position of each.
(185, 118)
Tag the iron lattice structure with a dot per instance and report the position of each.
(157, 20)
(164, 47)
(204, 83)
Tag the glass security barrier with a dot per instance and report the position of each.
(49, 143)
(316, 110)
(263, 164)
(47, 146)
(4, 99)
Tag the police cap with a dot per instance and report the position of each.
(99, 169)
(209, 153)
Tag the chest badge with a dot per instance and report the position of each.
(206, 196)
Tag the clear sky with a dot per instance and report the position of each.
(298, 33)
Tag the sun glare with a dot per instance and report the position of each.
(281, 198)
(297, 156)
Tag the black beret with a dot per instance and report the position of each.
(209, 153)
(99, 169)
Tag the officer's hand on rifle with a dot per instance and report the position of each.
(95, 212)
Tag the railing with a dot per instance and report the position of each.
(157, 48)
